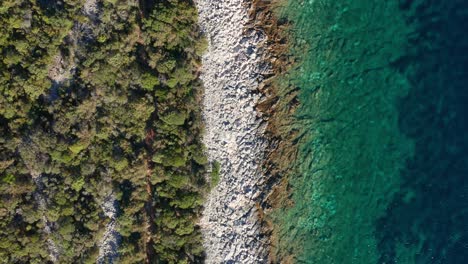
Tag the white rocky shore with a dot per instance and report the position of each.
(233, 137)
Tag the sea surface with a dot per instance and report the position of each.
(382, 170)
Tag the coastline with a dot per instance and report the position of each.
(279, 105)
(234, 131)
(232, 73)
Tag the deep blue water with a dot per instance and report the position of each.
(429, 215)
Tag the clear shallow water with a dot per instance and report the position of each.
(382, 171)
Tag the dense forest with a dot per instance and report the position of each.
(99, 113)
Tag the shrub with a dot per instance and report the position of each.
(149, 81)
(175, 118)
(215, 173)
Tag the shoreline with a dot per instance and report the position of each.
(232, 73)
(279, 106)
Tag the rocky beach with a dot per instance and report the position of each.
(231, 75)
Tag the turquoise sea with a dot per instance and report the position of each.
(382, 171)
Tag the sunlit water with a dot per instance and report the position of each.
(382, 175)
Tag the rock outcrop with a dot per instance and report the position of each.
(108, 245)
(231, 74)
